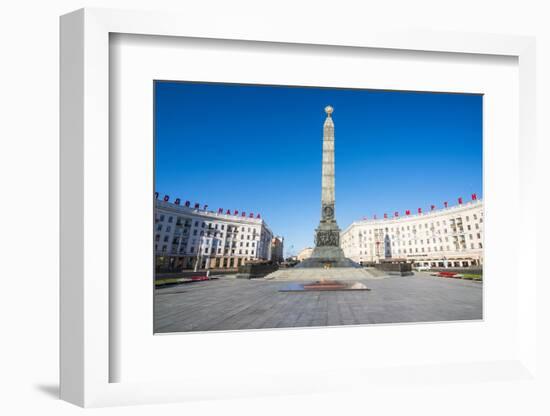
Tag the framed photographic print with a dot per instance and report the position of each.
(227, 269)
(262, 214)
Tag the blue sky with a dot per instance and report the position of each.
(258, 149)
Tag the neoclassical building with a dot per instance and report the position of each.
(305, 253)
(277, 249)
(448, 237)
(187, 237)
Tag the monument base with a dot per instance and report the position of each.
(312, 274)
(327, 257)
(326, 262)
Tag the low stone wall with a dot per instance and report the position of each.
(461, 270)
(191, 273)
(177, 275)
(256, 270)
(397, 269)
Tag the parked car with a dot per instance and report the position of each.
(422, 268)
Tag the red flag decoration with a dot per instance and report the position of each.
(258, 216)
(197, 205)
(236, 212)
(420, 210)
(187, 203)
(251, 215)
(228, 212)
(156, 195)
(220, 210)
(177, 201)
(166, 198)
(408, 212)
(385, 216)
(243, 214)
(474, 197)
(460, 200)
(446, 204)
(432, 207)
(396, 214)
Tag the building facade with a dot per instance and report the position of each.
(449, 237)
(194, 238)
(277, 248)
(305, 253)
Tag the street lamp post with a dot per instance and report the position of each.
(199, 254)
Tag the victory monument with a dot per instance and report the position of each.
(327, 251)
(327, 260)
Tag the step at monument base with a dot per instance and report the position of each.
(315, 274)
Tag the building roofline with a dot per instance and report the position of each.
(211, 215)
(425, 215)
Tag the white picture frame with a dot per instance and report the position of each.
(86, 218)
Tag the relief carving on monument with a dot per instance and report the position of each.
(328, 212)
(327, 238)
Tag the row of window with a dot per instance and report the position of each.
(454, 222)
(447, 263)
(215, 242)
(207, 250)
(428, 249)
(208, 233)
(202, 224)
(379, 233)
(398, 242)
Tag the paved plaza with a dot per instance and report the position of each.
(230, 304)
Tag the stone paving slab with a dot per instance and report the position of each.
(231, 304)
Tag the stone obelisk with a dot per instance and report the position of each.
(327, 178)
(327, 251)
